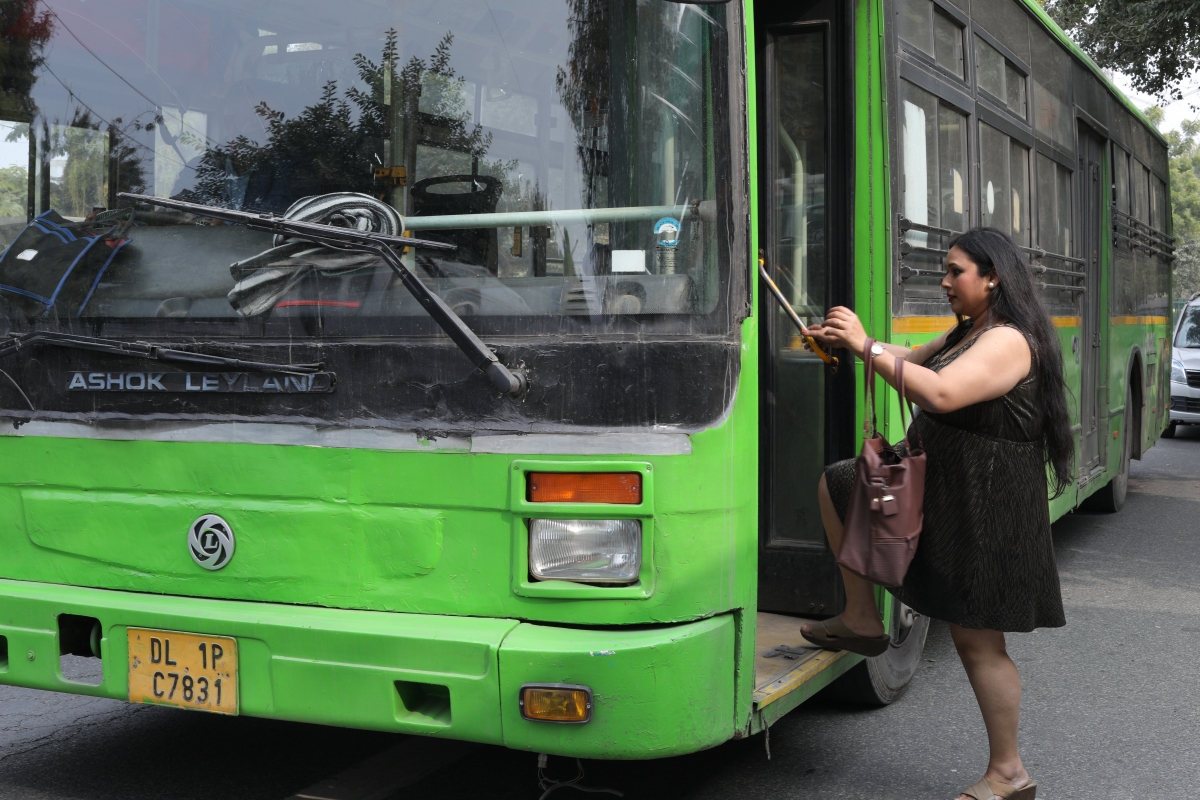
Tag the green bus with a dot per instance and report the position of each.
(247, 473)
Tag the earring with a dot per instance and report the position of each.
(991, 284)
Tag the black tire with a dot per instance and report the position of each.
(882, 680)
(1169, 431)
(1111, 498)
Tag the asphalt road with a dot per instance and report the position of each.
(1110, 709)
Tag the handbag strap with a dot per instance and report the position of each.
(871, 429)
(869, 392)
(904, 401)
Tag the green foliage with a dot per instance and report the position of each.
(1184, 151)
(1186, 273)
(24, 31)
(84, 182)
(14, 189)
(1155, 42)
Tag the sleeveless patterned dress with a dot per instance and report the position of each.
(985, 558)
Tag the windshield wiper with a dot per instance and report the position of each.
(155, 352)
(507, 381)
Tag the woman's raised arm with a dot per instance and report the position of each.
(997, 362)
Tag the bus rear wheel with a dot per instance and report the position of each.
(882, 680)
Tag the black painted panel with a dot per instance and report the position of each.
(430, 386)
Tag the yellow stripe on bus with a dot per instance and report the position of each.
(922, 324)
(1139, 320)
(943, 324)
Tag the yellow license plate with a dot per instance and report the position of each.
(184, 670)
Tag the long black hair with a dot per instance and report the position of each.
(1016, 299)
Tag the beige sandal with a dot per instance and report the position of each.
(833, 634)
(983, 791)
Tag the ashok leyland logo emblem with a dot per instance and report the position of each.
(210, 541)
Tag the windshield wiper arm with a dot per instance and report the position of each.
(507, 381)
(154, 352)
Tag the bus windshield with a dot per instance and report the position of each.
(572, 151)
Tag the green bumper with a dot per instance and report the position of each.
(658, 691)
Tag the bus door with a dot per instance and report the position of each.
(807, 412)
(1091, 198)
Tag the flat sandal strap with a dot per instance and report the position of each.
(834, 628)
(981, 791)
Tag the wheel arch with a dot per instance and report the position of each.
(1135, 384)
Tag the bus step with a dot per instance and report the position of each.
(784, 660)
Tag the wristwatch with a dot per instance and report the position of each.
(876, 350)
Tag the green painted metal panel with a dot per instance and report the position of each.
(309, 664)
(744, 547)
(426, 532)
(658, 691)
(872, 186)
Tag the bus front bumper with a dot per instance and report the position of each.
(658, 690)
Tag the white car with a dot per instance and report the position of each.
(1185, 368)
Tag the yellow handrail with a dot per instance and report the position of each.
(832, 361)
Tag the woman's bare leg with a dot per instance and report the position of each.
(997, 685)
(861, 614)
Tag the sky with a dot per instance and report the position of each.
(12, 153)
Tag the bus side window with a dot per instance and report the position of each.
(1121, 179)
(1141, 193)
(999, 77)
(1124, 264)
(1160, 282)
(1053, 118)
(933, 32)
(1054, 206)
(935, 162)
(1158, 204)
(1004, 183)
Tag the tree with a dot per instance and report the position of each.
(14, 187)
(1184, 153)
(24, 32)
(1155, 42)
(333, 144)
(583, 87)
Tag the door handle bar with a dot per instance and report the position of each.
(832, 361)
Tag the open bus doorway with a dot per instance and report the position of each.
(807, 420)
(807, 410)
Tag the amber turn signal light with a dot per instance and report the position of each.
(618, 488)
(556, 702)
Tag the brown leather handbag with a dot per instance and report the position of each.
(887, 502)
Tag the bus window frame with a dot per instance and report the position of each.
(918, 69)
(985, 116)
(1018, 63)
(925, 60)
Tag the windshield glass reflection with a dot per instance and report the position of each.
(569, 149)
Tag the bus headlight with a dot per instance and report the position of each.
(585, 550)
(1177, 373)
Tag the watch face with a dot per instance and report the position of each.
(876, 349)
